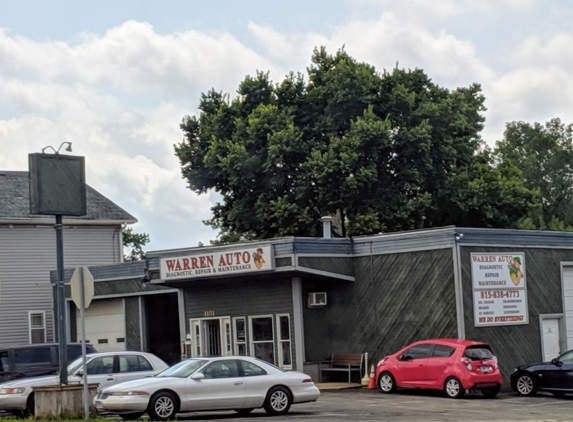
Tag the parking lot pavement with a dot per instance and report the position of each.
(357, 405)
(371, 405)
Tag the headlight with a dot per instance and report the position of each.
(130, 393)
(515, 370)
(7, 390)
(381, 361)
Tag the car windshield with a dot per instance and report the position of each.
(478, 353)
(75, 365)
(183, 369)
(567, 357)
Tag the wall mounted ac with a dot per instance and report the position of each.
(317, 299)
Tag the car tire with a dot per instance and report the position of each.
(453, 388)
(490, 392)
(30, 406)
(386, 383)
(525, 385)
(278, 401)
(162, 407)
(131, 416)
(243, 412)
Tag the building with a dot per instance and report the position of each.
(28, 254)
(296, 301)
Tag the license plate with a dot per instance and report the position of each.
(485, 368)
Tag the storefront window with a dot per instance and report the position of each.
(197, 330)
(262, 338)
(283, 324)
(240, 337)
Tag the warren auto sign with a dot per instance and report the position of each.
(499, 289)
(238, 261)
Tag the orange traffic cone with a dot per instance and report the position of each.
(372, 382)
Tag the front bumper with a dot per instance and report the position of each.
(121, 404)
(13, 401)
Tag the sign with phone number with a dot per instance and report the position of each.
(499, 289)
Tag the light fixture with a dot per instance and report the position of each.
(68, 148)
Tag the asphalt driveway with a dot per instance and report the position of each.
(371, 405)
(356, 405)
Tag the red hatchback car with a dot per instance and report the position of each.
(451, 365)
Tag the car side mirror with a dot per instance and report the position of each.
(406, 357)
(198, 376)
(556, 362)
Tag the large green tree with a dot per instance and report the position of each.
(544, 153)
(381, 151)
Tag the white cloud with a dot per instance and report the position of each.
(553, 52)
(120, 98)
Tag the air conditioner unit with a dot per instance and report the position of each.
(317, 299)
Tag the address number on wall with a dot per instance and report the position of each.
(208, 313)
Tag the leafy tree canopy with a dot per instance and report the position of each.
(544, 153)
(381, 151)
(133, 244)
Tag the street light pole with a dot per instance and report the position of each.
(57, 187)
(61, 300)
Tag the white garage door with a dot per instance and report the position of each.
(568, 303)
(105, 325)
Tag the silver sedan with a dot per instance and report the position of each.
(221, 383)
(103, 368)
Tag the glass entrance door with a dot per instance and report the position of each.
(211, 336)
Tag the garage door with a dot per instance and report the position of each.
(568, 303)
(105, 325)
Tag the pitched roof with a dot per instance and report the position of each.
(15, 202)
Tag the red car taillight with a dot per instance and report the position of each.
(307, 380)
(468, 363)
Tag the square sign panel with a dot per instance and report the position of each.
(57, 184)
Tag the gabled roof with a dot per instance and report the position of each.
(15, 203)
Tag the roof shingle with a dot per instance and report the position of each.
(15, 201)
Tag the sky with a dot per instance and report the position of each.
(116, 78)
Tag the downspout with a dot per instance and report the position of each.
(456, 255)
(375, 301)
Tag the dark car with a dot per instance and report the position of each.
(34, 360)
(555, 377)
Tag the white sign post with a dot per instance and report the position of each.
(499, 289)
(82, 291)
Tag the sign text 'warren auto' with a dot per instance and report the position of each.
(499, 289)
(218, 263)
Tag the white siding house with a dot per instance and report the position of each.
(28, 254)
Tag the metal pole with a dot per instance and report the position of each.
(61, 299)
(84, 360)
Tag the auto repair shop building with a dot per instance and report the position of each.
(296, 301)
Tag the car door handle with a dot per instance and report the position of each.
(238, 382)
(110, 378)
